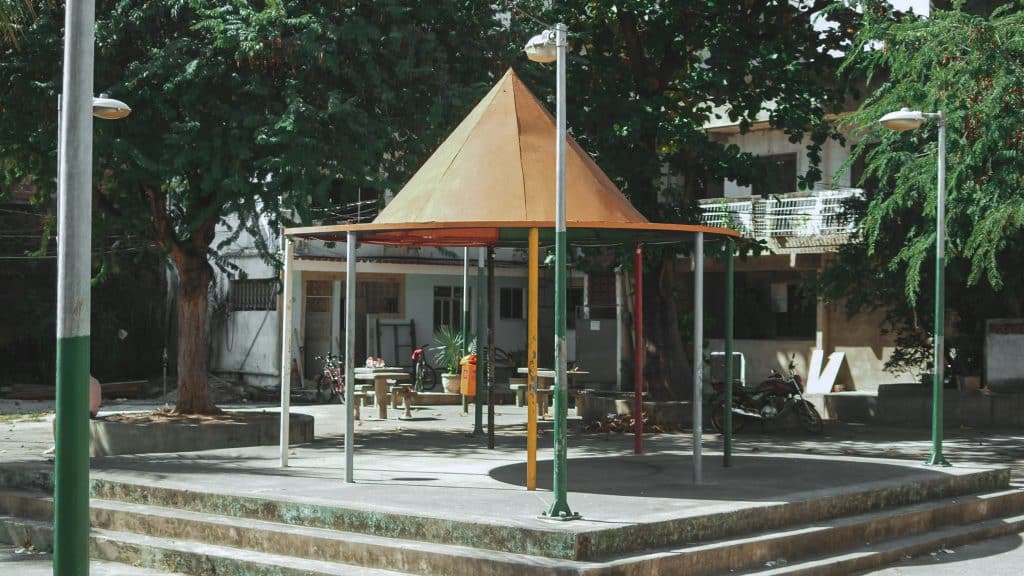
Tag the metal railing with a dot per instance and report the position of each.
(820, 213)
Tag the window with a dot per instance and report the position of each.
(511, 303)
(775, 175)
(253, 294)
(448, 307)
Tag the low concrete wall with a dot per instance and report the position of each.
(591, 407)
(911, 405)
(112, 438)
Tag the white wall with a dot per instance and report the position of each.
(762, 356)
(509, 335)
(771, 142)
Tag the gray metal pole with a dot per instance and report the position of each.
(465, 317)
(698, 355)
(286, 346)
(618, 328)
(74, 243)
(350, 352)
(481, 364)
(490, 348)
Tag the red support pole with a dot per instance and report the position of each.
(638, 352)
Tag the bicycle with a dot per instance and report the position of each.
(330, 383)
(424, 374)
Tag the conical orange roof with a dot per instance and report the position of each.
(498, 165)
(493, 179)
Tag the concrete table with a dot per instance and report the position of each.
(380, 377)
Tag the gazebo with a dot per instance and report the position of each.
(491, 184)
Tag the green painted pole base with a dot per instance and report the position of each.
(937, 459)
(71, 459)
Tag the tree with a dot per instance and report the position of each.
(244, 109)
(645, 76)
(969, 67)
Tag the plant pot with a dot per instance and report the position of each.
(452, 382)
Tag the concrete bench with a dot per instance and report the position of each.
(357, 401)
(543, 397)
(406, 393)
(520, 391)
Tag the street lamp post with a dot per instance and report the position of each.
(74, 251)
(906, 119)
(546, 47)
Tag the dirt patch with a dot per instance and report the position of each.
(167, 415)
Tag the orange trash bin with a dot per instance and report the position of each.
(468, 373)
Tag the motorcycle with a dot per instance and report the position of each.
(768, 401)
(330, 383)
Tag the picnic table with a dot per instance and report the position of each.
(545, 378)
(380, 377)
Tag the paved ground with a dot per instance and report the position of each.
(996, 557)
(397, 467)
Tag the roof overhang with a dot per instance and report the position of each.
(507, 234)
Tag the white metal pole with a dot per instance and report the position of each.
(698, 354)
(74, 262)
(350, 352)
(286, 346)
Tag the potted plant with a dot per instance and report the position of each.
(447, 353)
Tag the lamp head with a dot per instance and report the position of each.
(541, 48)
(108, 108)
(904, 119)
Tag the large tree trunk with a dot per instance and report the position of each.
(667, 366)
(194, 276)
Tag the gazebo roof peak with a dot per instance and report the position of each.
(498, 165)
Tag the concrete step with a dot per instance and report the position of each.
(829, 538)
(852, 543)
(407, 556)
(183, 556)
(878, 555)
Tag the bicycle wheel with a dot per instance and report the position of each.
(426, 377)
(809, 417)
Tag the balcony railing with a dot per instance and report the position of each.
(820, 213)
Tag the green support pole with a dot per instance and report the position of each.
(478, 413)
(729, 321)
(939, 359)
(71, 466)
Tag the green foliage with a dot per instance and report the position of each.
(448, 348)
(644, 77)
(970, 68)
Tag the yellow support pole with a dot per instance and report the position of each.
(531, 357)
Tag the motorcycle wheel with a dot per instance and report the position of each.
(324, 389)
(718, 419)
(809, 417)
